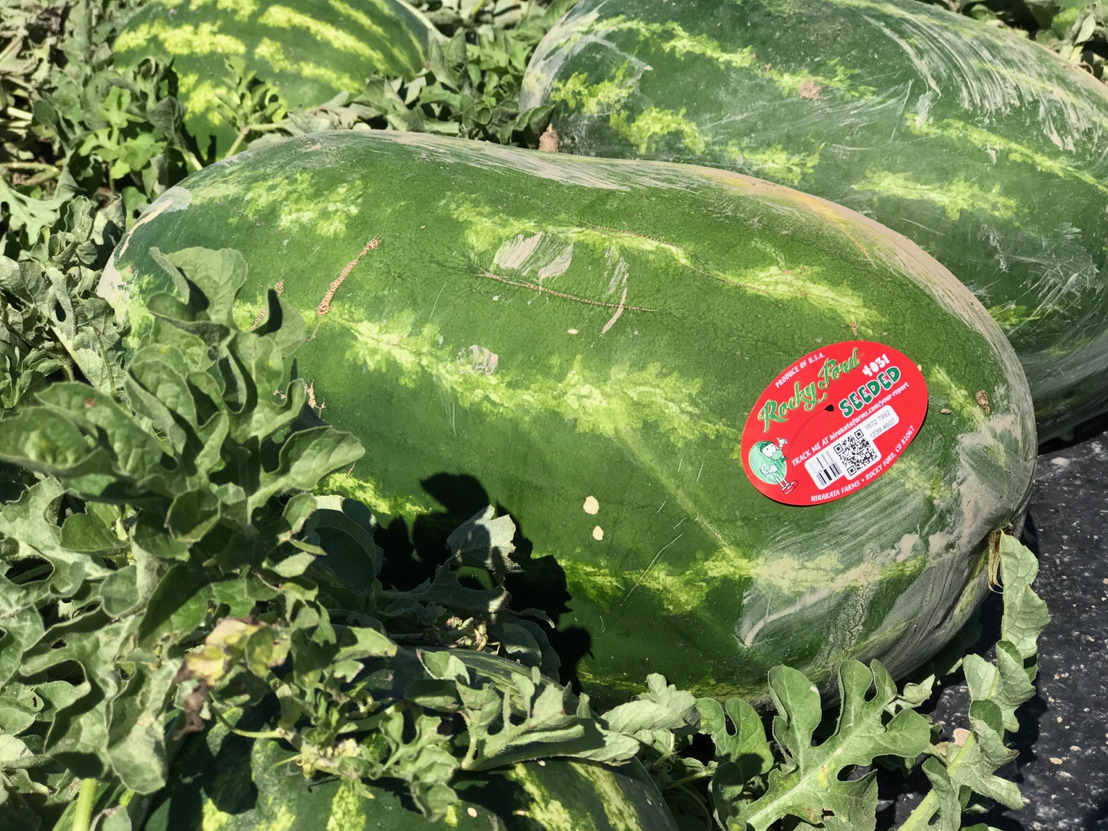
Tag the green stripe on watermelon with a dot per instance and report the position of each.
(985, 149)
(580, 341)
(309, 50)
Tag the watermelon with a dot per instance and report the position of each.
(985, 149)
(220, 779)
(597, 347)
(309, 51)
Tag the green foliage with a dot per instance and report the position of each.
(52, 324)
(150, 515)
(170, 551)
(74, 126)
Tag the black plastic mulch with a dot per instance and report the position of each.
(1062, 769)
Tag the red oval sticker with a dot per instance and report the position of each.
(833, 422)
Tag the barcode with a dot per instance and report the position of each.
(824, 468)
(855, 452)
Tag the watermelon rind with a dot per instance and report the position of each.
(579, 342)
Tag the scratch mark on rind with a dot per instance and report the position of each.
(619, 311)
(626, 233)
(653, 563)
(325, 304)
(565, 296)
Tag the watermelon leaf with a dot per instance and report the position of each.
(964, 770)
(817, 783)
(485, 542)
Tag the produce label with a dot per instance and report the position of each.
(833, 422)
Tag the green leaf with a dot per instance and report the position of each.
(305, 458)
(661, 708)
(810, 786)
(208, 280)
(485, 541)
(745, 746)
(1025, 614)
(136, 748)
(135, 449)
(192, 515)
(43, 440)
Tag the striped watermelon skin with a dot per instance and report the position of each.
(579, 341)
(309, 50)
(985, 149)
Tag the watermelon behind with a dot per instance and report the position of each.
(588, 344)
(308, 50)
(985, 149)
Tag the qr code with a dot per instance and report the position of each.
(855, 452)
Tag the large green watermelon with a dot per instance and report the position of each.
(985, 149)
(601, 348)
(308, 50)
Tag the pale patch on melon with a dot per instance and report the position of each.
(213, 819)
(609, 401)
(367, 492)
(287, 20)
(544, 810)
(964, 135)
(653, 123)
(288, 204)
(772, 162)
(240, 9)
(181, 39)
(952, 197)
(599, 97)
(273, 53)
(768, 601)
(347, 808)
(620, 812)
(675, 40)
(946, 392)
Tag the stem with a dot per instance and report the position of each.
(476, 10)
(86, 799)
(190, 157)
(922, 814)
(920, 818)
(243, 133)
(696, 777)
(279, 733)
(33, 574)
(28, 166)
